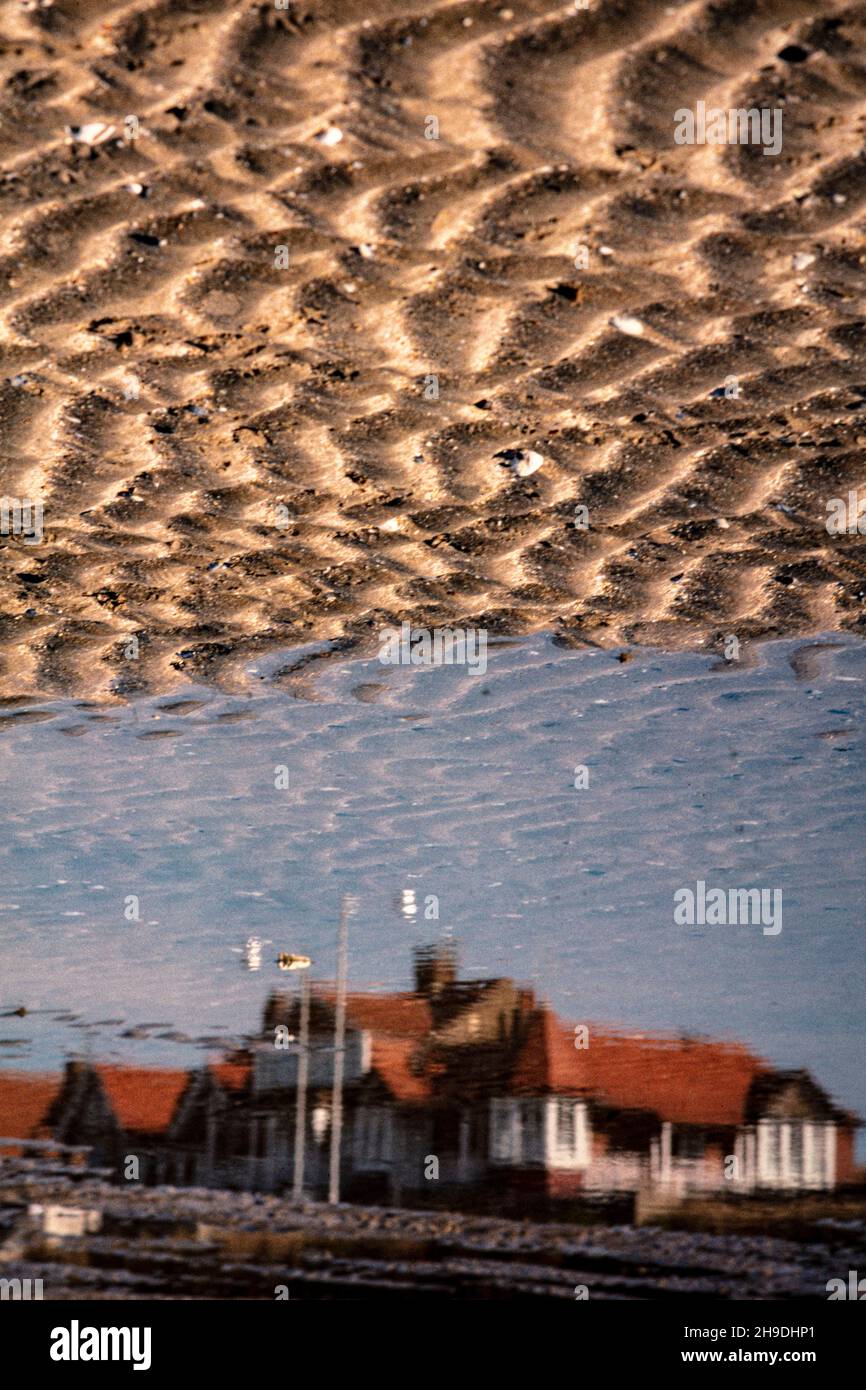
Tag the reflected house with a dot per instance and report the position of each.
(420, 1068)
(466, 1087)
(119, 1112)
(385, 1038)
(684, 1115)
(207, 1140)
(459, 1092)
(178, 1124)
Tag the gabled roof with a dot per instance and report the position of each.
(25, 1099)
(392, 1062)
(397, 1015)
(398, 1023)
(795, 1095)
(143, 1098)
(403, 1015)
(685, 1081)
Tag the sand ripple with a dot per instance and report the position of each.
(281, 473)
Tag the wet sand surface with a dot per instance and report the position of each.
(218, 337)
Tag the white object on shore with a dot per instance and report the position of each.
(94, 133)
(66, 1221)
(801, 259)
(626, 324)
(332, 136)
(522, 462)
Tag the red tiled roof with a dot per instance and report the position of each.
(398, 1015)
(25, 1098)
(232, 1076)
(392, 1059)
(142, 1098)
(684, 1081)
(397, 1022)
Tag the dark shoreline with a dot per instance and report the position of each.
(198, 1243)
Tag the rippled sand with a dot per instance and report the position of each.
(168, 388)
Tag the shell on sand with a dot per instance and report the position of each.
(331, 136)
(94, 133)
(522, 462)
(627, 324)
(263, 522)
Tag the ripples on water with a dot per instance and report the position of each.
(428, 792)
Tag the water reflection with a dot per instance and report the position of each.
(457, 798)
(167, 900)
(469, 1093)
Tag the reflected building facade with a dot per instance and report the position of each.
(468, 1093)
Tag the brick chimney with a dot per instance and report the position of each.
(435, 969)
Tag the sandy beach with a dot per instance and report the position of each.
(262, 338)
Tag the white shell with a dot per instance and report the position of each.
(801, 260)
(523, 462)
(94, 133)
(626, 324)
(332, 136)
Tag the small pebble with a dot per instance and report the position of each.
(626, 324)
(522, 462)
(794, 53)
(94, 133)
(332, 136)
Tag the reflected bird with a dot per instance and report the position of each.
(287, 961)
